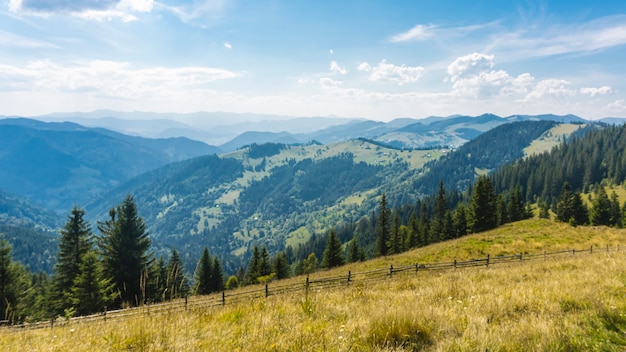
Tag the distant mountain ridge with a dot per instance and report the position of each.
(231, 131)
(62, 164)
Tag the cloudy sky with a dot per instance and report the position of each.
(353, 58)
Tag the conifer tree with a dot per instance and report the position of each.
(281, 266)
(265, 265)
(8, 294)
(355, 252)
(217, 277)
(437, 223)
(383, 227)
(424, 227)
(459, 221)
(254, 267)
(75, 241)
(203, 274)
(616, 211)
(395, 240)
(516, 210)
(177, 285)
(483, 207)
(124, 247)
(90, 291)
(600, 213)
(333, 255)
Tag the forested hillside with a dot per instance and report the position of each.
(60, 164)
(587, 160)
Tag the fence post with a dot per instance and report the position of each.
(105, 313)
(390, 271)
(267, 291)
(454, 263)
(545, 255)
(591, 249)
(349, 275)
(520, 257)
(185, 302)
(488, 256)
(573, 251)
(417, 267)
(223, 298)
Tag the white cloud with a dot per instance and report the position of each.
(227, 45)
(331, 52)
(96, 10)
(389, 72)
(598, 34)
(593, 91)
(365, 67)
(196, 12)
(334, 67)
(419, 32)
(108, 78)
(470, 65)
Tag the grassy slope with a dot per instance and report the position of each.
(573, 303)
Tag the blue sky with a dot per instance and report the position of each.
(374, 59)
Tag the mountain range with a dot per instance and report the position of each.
(272, 188)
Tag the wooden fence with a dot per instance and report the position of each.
(317, 283)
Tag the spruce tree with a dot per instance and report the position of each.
(383, 227)
(281, 266)
(203, 274)
(437, 232)
(90, 291)
(395, 241)
(483, 207)
(177, 285)
(265, 264)
(254, 267)
(75, 241)
(8, 294)
(333, 255)
(124, 248)
(616, 211)
(601, 208)
(217, 276)
(459, 221)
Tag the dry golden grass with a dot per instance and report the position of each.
(575, 303)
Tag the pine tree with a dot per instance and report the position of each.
(74, 243)
(254, 267)
(483, 207)
(281, 266)
(177, 285)
(382, 227)
(437, 232)
(333, 255)
(158, 280)
(616, 211)
(395, 241)
(601, 208)
(516, 210)
(459, 221)
(265, 265)
(124, 247)
(217, 277)
(355, 252)
(90, 291)
(203, 274)
(8, 294)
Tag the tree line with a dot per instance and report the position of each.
(94, 273)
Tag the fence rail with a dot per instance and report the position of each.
(319, 283)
